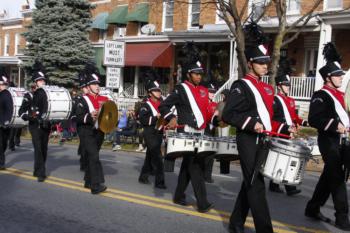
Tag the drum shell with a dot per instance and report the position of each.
(179, 145)
(206, 146)
(59, 105)
(285, 163)
(227, 149)
(17, 99)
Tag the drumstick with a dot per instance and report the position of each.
(276, 134)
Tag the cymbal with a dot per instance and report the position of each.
(108, 117)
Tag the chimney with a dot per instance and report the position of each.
(3, 14)
(26, 5)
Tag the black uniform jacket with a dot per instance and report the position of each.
(6, 107)
(146, 117)
(25, 111)
(322, 114)
(40, 103)
(82, 113)
(241, 109)
(179, 99)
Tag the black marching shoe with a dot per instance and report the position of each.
(205, 209)
(143, 180)
(2, 167)
(98, 189)
(293, 192)
(209, 180)
(317, 216)
(236, 229)
(87, 185)
(160, 186)
(275, 188)
(342, 222)
(41, 178)
(182, 202)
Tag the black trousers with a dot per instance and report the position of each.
(191, 170)
(15, 137)
(92, 141)
(331, 181)
(252, 195)
(40, 139)
(208, 164)
(153, 160)
(4, 133)
(81, 150)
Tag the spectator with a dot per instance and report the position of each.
(128, 130)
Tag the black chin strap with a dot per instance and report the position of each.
(283, 92)
(331, 80)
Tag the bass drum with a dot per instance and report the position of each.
(59, 103)
(17, 98)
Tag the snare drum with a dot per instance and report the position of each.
(227, 149)
(286, 161)
(206, 146)
(178, 144)
(17, 98)
(59, 103)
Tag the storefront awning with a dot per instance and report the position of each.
(118, 15)
(99, 21)
(99, 60)
(139, 14)
(149, 54)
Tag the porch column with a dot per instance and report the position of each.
(325, 37)
(233, 58)
(136, 82)
(121, 81)
(19, 77)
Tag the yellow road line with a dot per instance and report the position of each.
(113, 193)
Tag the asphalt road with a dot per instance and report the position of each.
(61, 204)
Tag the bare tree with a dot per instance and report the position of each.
(235, 18)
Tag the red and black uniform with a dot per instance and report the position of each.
(192, 104)
(92, 138)
(325, 114)
(153, 138)
(244, 105)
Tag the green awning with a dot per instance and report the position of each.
(99, 21)
(118, 15)
(139, 14)
(99, 60)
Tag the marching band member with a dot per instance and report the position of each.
(5, 109)
(210, 131)
(25, 111)
(327, 114)
(149, 115)
(249, 108)
(39, 128)
(84, 90)
(284, 112)
(92, 138)
(191, 102)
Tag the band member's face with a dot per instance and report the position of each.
(40, 83)
(156, 94)
(211, 95)
(85, 90)
(337, 81)
(284, 89)
(94, 88)
(3, 87)
(195, 78)
(257, 68)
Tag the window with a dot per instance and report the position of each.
(257, 8)
(102, 35)
(194, 13)
(311, 62)
(7, 45)
(333, 4)
(293, 7)
(119, 32)
(17, 43)
(168, 15)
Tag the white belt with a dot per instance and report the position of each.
(191, 130)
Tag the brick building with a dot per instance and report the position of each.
(171, 23)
